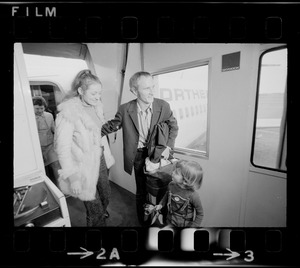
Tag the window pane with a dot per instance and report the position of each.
(270, 128)
(186, 92)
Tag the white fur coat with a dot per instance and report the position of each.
(78, 145)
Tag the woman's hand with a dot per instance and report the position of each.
(76, 187)
(75, 184)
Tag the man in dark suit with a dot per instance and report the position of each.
(137, 119)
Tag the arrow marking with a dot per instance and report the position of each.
(85, 254)
(232, 254)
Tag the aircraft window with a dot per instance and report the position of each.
(186, 91)
(186, 112)
(192, 111)
(270, 131)
(180, 113)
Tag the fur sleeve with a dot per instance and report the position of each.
(70, 110)
(63, 142)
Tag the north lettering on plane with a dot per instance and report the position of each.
(179, 94)
(33, 11)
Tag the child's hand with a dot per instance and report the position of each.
(158, 207)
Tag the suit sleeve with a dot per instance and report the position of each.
(112, 125)
(173, 126)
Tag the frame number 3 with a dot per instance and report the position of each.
(250, 256)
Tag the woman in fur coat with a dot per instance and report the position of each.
(84, 174)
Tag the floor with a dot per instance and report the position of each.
(121, 209)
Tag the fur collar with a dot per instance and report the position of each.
(73, 110)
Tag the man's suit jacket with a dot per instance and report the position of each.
(126, 118)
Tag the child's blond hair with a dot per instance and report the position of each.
(191, 172)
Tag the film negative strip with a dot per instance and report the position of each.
(127, 22)
(153, 246)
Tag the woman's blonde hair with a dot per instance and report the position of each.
(191, 172)
(82, 80)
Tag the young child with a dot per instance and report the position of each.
(184, 208)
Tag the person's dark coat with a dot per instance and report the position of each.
(126, 118)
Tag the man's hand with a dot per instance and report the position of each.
(158, 207)
(165, 154)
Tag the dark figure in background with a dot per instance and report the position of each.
(137, 119)
(46, 128)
